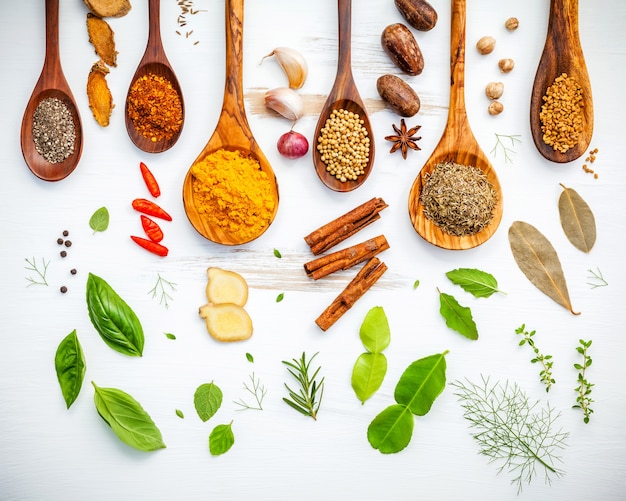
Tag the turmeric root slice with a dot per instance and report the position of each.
(102, 37)
(108, 8)
(227, 322)
(99, 95)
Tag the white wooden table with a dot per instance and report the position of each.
(52, 453)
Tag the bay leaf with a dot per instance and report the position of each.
(538, 260)
(577, 220)
(457, 317)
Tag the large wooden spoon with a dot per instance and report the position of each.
(458, 145)
(231, 133)
(562, 53)
(343, 95)
(51, 84)
(155, 62)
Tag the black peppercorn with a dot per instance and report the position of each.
(63, 289)
(68, 243)
(60, 241)
(73, 271)
(65, 233)
(63, 253)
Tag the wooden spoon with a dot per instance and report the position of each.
(231, 133)
(457, 144)
(562, 53)
(154, 61)
(343, 95)
(51, 84)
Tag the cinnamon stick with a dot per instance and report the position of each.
(344, 226)
(345, 258)
(360, 284)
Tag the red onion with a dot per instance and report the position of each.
(292, 144)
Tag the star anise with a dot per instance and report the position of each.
(404, 139)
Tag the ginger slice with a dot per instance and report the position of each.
(108, 8)
(99, 95)
(227, 322)
(102, 37)
(226, 287)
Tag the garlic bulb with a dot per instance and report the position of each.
(293, 64)
(285, 101)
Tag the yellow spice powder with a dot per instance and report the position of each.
(232, 191)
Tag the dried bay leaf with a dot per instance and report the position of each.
(536, 257)
(577, 220)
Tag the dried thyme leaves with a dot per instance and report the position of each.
(458, 198)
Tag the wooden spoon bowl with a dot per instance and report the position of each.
(51, 84)
(458, 145)
(154, 62)
(562, 53)
(231, 133)
(343, 95)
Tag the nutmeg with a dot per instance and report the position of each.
(398, 95)
(400, 45)
(486, 44)
(418, 13)
(494, 90)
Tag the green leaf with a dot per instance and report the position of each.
(169, 335)
(416, 284)
(207, 399)
(70, 366)
(249, 358)
(391, 430)
(280, 297)
(127, 418)
(221, 439)
(180, 414)
(368, 374)
(114, 320)
(277, 253)
(99, 221)
(476, 282)
(457, 317)
(421, 383)
(375, 334)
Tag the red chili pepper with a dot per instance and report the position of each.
(151, 246)
(152, 229)
(150, 180)
(150, 208)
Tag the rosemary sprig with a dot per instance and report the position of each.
(306, 399)
(545, 360)
(41, 272)
(598, 278)
(512, 431)
(583, 400)
(507, 150)
(159, 288)
(257, 390)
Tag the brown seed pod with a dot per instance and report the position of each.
(400, 45)
(419, 13)
(398, 95)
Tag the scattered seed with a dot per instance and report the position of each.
(73, 271)
(63, 253)
(63, 289)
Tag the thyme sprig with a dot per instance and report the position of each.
(545, 360)
(41, 272)
(507, 150)
(511, 430)
(583, 400)
(257, 390)
(159, 288)
(597, 279)
(309, 396)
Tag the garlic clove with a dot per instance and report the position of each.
(285, 101)
(293, 64)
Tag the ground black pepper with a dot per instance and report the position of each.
(54, 132)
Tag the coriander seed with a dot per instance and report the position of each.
(511, 24)
(485, 45)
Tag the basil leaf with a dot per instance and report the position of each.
(476, 282)
(99, 221)
(368, 374)
(391, 430)
(127, 418)
(207, 399)
(421, 383)
(374, 333)
(221, 439)
(114, 320)
(70, 366)
(457, 317)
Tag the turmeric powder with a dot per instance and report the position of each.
(232, 191)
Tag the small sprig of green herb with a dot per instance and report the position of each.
(280, 297)
(277, 253)
(545, 360)
(416, 284)
(257, 390)
(583, 400)
(41, 272)
(160, 288)
(507, 150)
(309, 396)
(597, 280)
(511, 431)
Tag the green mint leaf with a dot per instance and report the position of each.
(207, 400)
(70, 366)
(457, 317)
(249, 358)
(99, 221)
(476, 282)
(280, 297)
(277, 253)
(221, 439)
(169, 335)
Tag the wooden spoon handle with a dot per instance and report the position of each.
(563, 23)
(52, 34)
(457, 62)
(233, 91)
(154, 26)
(345, 36)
